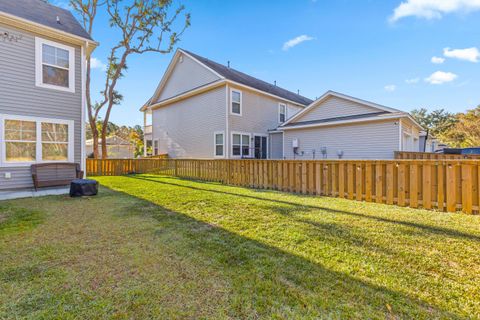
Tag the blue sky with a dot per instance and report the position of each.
(376, 50)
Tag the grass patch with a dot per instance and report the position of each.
(160, 247)
(17, 219)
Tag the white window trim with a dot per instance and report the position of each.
(39, 62)
(280, 105)
(249, 144)
(215, 144)
(38, 154)
(268, 143)
(231, 102)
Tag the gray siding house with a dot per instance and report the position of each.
(42, 95)
(202, 109)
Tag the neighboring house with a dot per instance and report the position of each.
(429, 143)
(117, 148)
(202, 109)
(42, 95)
(337, 126)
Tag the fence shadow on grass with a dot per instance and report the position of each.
(296, 207)
(265, 281)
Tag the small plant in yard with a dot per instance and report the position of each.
(161, 247)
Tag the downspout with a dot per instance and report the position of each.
(144, 133)
(83, 156)
(227, 133)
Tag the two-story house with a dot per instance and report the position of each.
(203, 109)
(42, 89)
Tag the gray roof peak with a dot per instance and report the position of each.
(234, 75)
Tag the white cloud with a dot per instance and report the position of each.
(97, 64)
(440, 77)
(437, 60)
(412, 81)
(432, 9)
(390, 87)
(296, 41)
(468, 54)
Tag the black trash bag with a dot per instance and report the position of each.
(83, 187)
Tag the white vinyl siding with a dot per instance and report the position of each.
(368, 140)
(334, 107)
(185, 129)
(259, 113)
(186, 75)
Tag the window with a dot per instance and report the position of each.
(219, 144)
(236, 98)
(55, 65)
(20, 141)
(282, 112)
(29, 140)
(155, 147)
(240, 145)
(54, 141)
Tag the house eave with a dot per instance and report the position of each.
(30, 26)
(352, 121)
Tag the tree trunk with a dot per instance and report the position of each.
(95, 145)
(104, 144)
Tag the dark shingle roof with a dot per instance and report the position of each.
(352, 117)
(245, 79)
(46, 14)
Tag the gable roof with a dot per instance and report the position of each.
(329, 94)
(40, 12)
(245, 79)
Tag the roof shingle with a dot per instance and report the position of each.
(39, 11)
(245, 79)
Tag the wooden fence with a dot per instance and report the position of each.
(446, 185)
(436, 156)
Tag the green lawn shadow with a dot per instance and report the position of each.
(269, 282)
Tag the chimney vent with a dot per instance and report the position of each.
(228, 63)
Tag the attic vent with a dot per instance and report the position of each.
(180, 59)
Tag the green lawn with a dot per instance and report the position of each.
(161, 247)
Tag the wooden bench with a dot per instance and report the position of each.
(55, 174)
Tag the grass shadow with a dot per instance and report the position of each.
(302, 208)
(266, 281)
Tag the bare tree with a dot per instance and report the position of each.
(87, 10)
(144, 26)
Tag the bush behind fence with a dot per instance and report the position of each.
(446, 185)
